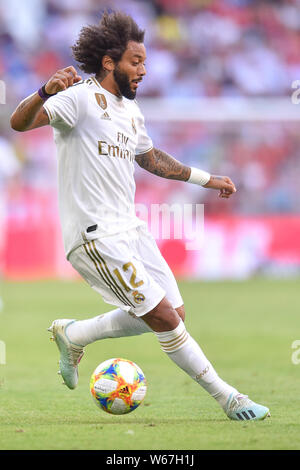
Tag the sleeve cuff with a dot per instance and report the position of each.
(49, 112)
(144, 151)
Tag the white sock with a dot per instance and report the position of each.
(187, 354)
(114, 324)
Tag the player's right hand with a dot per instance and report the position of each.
(62, 80)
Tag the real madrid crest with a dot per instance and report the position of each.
(138, 297)
(101, 100)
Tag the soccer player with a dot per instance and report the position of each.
(99, 132)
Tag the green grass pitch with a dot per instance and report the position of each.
(246, 329)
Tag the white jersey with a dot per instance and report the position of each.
(97, 136)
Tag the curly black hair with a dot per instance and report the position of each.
(109, 37)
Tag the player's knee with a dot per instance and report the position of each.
(163, 317)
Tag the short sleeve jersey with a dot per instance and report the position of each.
(97, 136)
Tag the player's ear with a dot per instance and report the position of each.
(107, 63)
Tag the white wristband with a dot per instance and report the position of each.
(197, 176)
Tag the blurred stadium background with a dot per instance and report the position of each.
(217, 95)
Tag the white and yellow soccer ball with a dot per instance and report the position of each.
(118, 386)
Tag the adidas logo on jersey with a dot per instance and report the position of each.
(106, 116)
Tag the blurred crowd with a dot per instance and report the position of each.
(195, 48)
(263, 160)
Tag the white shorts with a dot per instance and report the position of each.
(128, 271)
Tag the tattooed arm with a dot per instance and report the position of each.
(161, 164)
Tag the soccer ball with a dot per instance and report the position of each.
(118, 386)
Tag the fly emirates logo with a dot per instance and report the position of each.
(118, 150)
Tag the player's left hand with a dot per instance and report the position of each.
(223, 184)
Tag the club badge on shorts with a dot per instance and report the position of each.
(138, 297)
